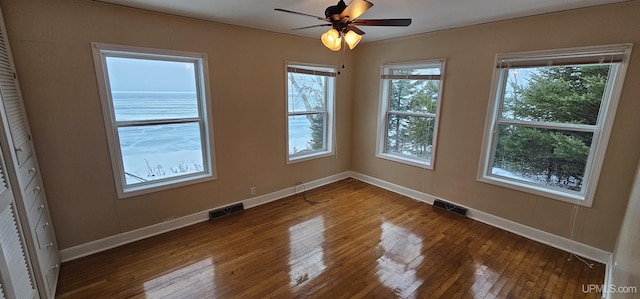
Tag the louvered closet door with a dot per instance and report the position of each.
(15, 276)
(11, 99)
(23, 174)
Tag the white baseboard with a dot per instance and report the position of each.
(608, 275)
(76, 252)
(267, 198)
(96, 246)
(394, 188)
(562, 243)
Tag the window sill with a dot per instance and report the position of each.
(570, 197)
(406, 160)
(132, 191)
(308, 156)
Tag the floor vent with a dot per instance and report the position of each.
(226, 211)
(450, 207)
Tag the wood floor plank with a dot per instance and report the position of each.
(360, 242)
(495, 265)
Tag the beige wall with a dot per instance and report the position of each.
(626, 256)
(51, 45)
(470, 53)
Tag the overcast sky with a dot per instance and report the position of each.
(127, 74)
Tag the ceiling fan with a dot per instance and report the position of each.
(343, 20)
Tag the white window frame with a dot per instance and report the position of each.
(100, 52)
(329, 73)
(601, 130)
(384, 110)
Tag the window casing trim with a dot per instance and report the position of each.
(384, 110)
(329, 72)
(618, 57)
(103, 50)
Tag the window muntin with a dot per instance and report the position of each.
(310, 94)
(552, 113)
(410, 102)
(156, 116)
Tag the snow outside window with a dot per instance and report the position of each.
(156, 115)
(410, 99)
(549, 120)
(310, 94)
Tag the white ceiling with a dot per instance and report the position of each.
(427, 15)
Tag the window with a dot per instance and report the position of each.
(310, 93)
(549, 120)
(410, 99)
(156, 116)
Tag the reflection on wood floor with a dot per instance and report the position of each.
(364, 242)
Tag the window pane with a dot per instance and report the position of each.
(146, 89)
(160, 151)
(543, 156)
(306, 92)
(561, 94)
(410, 136)
(306, 133)
(414, 96)
(150, 105)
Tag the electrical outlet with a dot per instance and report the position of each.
(253, 191)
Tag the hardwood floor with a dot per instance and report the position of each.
(365, 242)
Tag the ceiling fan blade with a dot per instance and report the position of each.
(383, 22)
(355, 9)
(301, 13)
(312, 26)
(356, 30)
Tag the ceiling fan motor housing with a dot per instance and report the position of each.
(333, 12)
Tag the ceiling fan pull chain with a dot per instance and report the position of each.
(341, 59)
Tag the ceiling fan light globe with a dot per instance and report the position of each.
(331, 39)
(352, 39)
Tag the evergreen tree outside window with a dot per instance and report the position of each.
(409, 106)
(549, 121)
(310, 97)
